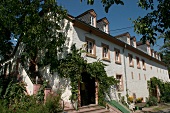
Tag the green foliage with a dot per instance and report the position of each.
(154, 23)
(164, 88)
(30, 105)
(40, 95)
(73, 65)
(165, 52)
(38, 25)
(106, 3)
(15, 92)
(15, 100)
(53, 104)
(152, 101)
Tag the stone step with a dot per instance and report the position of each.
(69, 110)
(88, 109)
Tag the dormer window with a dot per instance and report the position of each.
(148, 50)
(105, 28)
(92, 21)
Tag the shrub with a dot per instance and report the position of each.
(53, 104)
(152, 101)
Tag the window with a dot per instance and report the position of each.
(138, 62)
(153, 55)
(139, 77)
(148, 50)
(131, 64)
(92, 21)
(117, 56)
(105, 28)
(143, 65)
(151, 67)
(144, 76)
(132, 75)
(105, 52)
(120, 83)
(91, 48)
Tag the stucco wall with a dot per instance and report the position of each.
(139, 87)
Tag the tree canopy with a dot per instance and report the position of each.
(38, 24)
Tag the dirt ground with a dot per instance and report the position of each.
(160, 108)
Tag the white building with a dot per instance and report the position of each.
(131, 62)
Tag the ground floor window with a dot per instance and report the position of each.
(120, 84)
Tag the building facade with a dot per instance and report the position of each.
(132, 63)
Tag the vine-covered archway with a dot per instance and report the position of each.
(73, 65)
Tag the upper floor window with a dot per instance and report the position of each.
(91, 48)
(105, 52)
(143, 65)
(131, 64)
(138, 62)
(92, 21)
(117, 56)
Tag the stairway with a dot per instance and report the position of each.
(92, 108)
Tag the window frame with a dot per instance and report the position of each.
(132, 75)
(120, 87)
(139, 77)
(92, 20)
(145, 76)
(108, 52)
(119, 56)
(138, 62)
(93, 54)
(143, 64)
(131, 63)
(105, 28)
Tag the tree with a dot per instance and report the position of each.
(106, 3)
(165, 51)
(38, 25)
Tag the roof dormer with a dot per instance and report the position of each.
(125, 37)
(103, 25)
(152, 53)
(145, 47)
(133, 41)
(88, 17)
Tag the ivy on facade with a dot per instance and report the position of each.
(164, 89)
(73, 65)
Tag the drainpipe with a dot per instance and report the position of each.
(124, 58)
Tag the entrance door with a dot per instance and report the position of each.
(87, 90)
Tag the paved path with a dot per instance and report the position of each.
(162, 109)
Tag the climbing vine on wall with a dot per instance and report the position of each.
(73, 65)
(164, 88)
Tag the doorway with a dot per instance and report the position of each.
(87, 89)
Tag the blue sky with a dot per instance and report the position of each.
(118, 15)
